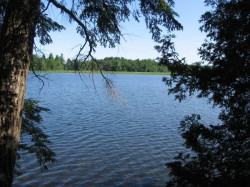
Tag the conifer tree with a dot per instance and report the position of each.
(220, 153)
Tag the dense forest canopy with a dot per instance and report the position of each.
(106, 64)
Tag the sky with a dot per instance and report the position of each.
(138, 43)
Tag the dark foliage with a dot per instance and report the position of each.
(220, 153)
(3, 4)
(33, 139)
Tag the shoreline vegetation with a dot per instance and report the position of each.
(108, 65)
(104, 72)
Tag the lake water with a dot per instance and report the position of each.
(109, 141)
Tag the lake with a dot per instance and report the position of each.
(124, 140)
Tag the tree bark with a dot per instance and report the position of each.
(16, 46)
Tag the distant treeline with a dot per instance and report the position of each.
(108, 64)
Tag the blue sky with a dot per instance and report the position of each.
(138, 44)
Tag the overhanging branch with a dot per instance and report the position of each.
(77, 20)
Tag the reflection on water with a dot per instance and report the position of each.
(102, 142)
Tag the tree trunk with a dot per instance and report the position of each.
(16, 46)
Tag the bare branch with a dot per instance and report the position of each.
(39, 77)
(108, 82)
(46, 8)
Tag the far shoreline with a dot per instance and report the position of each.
(104, 72)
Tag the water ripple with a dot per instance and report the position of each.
(102, 143)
